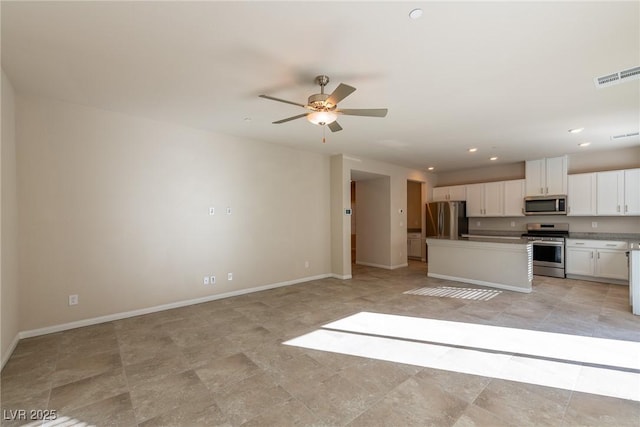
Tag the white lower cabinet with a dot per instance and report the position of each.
(601, 260)
(414, 247)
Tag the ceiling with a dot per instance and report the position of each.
(510, 78)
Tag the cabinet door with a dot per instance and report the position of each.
(475, 200)
(580, 261)
(581, 194)
(632, 192)
(440, 194)
(513, 197)
(458, 192)
(535, 177)
(493, 199)
(612, 264)
(609, 192)
(415, 248)
(556, 175)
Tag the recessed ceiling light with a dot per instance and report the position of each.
(415, 13)
(493, 158)
(473, 150)
(430, 168)
(576, 130)
(584, 144)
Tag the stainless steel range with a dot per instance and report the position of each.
(548, 248)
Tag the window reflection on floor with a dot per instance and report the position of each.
(592, 365)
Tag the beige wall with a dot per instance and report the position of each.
(587, 161)
(594, 161)
(115, 209)
(470, 176)
(9, 326)
(342, 165)
(372, 201)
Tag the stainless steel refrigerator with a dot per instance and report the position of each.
(446, 219)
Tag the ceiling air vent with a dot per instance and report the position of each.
(624, 136)
(617, 77)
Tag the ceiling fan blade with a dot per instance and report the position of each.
(334, 126)
(341, 92)
(368, 112)
(282, 100)
(288, 119)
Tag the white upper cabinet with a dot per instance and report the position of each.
(513, 197)
(618, 192)
(475, 200)
(485, 199)
(546, 176)
(581, 194)
(632, 192)
(451, 193)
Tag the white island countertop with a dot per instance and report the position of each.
(493, 262)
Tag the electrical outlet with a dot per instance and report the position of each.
(477, 223)
(205, 281)
(73, 299)
(212, 280)
(306, 264)
(513, 223)
(229, 276)
(228, 211)
(594, 224)
(212, 211)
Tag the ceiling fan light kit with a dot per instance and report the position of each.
(322, 117)
(324, 109)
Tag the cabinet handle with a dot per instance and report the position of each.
(591, 255)
(598, 255)
(610, 244)
(618, 209)
(626, 208)
(546, 191)
(579, 243)
(541, 190)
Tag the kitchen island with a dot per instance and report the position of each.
(493, 262)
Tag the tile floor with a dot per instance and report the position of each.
(223, 363)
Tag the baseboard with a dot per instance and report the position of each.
(393, 267)
(479, 282)
(598, 279)
(386, 267)
(345, 277)
(124, 315)
(9, 352)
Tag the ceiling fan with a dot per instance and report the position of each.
(324, 108)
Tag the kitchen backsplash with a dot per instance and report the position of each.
(604, 224)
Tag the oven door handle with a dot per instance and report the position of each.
(547, 243)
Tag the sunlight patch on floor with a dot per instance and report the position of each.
(591, 365)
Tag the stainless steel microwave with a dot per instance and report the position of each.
(545, 205)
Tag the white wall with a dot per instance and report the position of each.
(114, 208)
(9, 326)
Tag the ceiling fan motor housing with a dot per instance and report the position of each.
(318, 101)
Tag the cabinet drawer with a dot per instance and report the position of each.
(597, 244)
